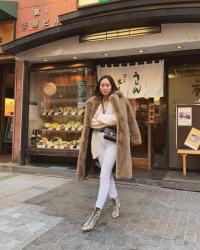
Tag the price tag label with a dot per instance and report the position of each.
(71, 147)
(55, 147)
(48, 146)
(62, 147)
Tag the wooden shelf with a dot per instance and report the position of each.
(61, 131)
(52, 152)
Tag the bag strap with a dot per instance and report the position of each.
(103, 108)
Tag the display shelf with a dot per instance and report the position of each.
(52, 116)
(52, 152)
(61, 131)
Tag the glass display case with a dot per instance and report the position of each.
(56, 108)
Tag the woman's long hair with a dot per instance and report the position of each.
(112, 82)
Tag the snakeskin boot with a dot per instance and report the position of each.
(92, 221)
(116, 208)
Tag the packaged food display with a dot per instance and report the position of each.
(61, 129)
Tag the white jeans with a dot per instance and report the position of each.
(107, 160)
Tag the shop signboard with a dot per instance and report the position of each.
(85, 3)
(188, 126)
(6, 32)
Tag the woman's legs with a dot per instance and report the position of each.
(112, 190)
(107, 160)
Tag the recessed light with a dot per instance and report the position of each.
(140, 50)
(45, 60)
(179, 46)
(75, 57)
(106, 54)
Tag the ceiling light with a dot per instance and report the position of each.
(140, 50)
(106, 54)
(75, 57)
(121, 33)
(45, 60)
(179, 46)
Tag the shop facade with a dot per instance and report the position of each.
(57, 77)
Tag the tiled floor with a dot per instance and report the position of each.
(46, 213)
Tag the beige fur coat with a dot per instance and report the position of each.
(127, 133)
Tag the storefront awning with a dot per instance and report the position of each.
(8, 10)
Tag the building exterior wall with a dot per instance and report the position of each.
(43, 15)
(37, 15)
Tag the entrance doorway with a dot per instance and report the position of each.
(154, 134)
(7, 81)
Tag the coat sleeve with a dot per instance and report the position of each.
(135, 135)
(109, 120)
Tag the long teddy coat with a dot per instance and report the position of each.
(127, 133)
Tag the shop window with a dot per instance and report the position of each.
(56, 107)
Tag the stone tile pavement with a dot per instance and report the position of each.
(46, 213)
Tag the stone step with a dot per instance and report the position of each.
(156, 178)
(176, 180)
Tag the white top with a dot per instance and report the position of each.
(100, 120)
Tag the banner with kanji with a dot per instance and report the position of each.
(137, 81)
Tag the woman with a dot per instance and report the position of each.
(108, 108)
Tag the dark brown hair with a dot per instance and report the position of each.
(112, 82)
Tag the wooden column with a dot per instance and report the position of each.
(25, 111)
(150, 145)
(19, 68)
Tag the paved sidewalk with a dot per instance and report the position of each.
(46, 213)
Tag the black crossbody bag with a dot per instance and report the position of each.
(110, 133)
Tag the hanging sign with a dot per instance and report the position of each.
(137, 81)
(151, 112)
(82, 90)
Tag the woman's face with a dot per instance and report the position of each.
(105, 87)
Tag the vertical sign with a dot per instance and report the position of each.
(82, 93)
